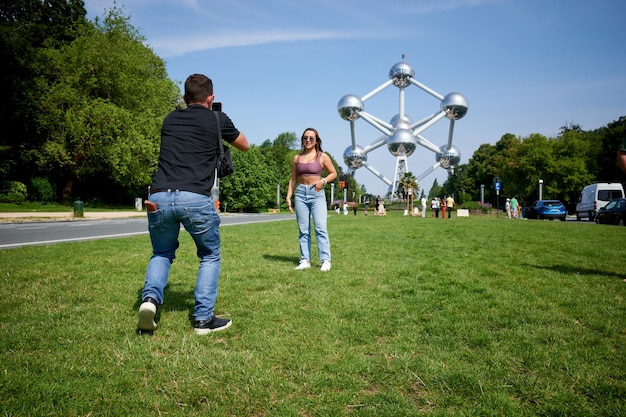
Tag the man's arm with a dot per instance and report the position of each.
(241, 142)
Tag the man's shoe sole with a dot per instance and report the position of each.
(201, 332)
(147, 312)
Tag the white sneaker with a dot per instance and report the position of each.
(304, 264)
(325, 266)
(147, 312)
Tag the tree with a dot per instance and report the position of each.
(435, 190)
(106, 96)
(251, 186)
(26, 28)
(407, 181)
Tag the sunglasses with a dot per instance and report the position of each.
(308, 139)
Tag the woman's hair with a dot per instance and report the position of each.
(318, 140)
(197, 88)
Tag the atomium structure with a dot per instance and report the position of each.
(401, 134)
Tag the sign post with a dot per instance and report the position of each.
(496, 185)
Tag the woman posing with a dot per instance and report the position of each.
(310, 201)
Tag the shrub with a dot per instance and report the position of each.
(40, 189)
(13, 192)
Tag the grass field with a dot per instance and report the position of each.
(478, 316)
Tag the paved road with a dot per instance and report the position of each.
(14, 235)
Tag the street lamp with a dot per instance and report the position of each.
(540, 189)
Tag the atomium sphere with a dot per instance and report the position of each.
(349, 106)
(354, 157)
(455, 105)
(395, 119)
(402, 142)
(448, 157)
(400, 74)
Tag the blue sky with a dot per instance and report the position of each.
(525, 66)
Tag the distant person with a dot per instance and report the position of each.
(345, 208)
(514, 208)
(434, 208)
(378, 202)
(366, 204)
(507, 208)
(424, 202)
(310, 200)
(181, 193)
(449, 205)
(621, 155)
(443, 208)
(381, 207)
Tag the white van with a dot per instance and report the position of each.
(595, 196)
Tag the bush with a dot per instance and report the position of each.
(13, 192)
(40, 189)
(477, 207)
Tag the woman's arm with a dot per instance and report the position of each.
(292, 183)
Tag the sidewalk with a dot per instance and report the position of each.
(88, 215)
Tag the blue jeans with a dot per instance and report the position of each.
(310, 203)
(197, 214)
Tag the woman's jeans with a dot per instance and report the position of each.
(307, 203)
(197, 214)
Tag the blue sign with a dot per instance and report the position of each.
(497, 186)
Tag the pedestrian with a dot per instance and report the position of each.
(366, 204)
(355, 207)
(443, 208)
(514, 208)
(381, 207)
(181, 194)
(307, 183)
(449, 205)
(433, 207)
(507, 208)
(424, 202)
(345, 208)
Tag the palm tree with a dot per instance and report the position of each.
(408, 181)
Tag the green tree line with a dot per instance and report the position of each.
(84, 101)
(565, 164)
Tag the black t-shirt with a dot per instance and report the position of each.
(189, 149)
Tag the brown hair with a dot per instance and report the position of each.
(318, 140)
(198, 88)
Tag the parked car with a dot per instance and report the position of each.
(546, 209)
(613, 213)
(595, 196)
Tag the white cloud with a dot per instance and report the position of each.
(174, 46)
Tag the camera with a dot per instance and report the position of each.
(216, 106)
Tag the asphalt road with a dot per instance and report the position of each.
(15, 235)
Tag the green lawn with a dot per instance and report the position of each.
(478, 316)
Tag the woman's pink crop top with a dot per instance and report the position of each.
(309, 169)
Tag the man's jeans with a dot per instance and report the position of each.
(307, 203)
(197, 214)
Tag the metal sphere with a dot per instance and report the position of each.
(455, 105)
(354, 158)
(402, 142)
(400, 74)
(448, 157)
(396, 119)
(349, 106)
